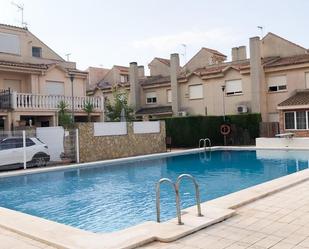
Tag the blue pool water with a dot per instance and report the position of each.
(105, 199)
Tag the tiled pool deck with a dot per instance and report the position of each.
(279, 221)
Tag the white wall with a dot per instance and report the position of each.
(109, 129)
(146, 127)
(298, 142)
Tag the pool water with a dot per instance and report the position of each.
(110, 198)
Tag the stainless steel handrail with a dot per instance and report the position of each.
(197, 191)
(177, 199)
(204, 140)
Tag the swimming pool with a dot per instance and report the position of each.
(110, 198)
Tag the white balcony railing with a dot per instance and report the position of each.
(50, 102)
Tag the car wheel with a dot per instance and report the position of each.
(39, 160)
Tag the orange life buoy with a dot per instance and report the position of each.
(225, 129)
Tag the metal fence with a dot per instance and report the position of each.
(26, 149)
(5, 99)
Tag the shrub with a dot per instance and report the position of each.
(186, 131)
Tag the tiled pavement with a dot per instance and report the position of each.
(11, 240)
(279, 221)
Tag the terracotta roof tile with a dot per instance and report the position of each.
(216, 52)
(287, 61)
(24, 65)
(301, 97)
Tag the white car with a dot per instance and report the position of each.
(12, 152)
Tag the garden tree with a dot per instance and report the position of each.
(114, 108)
(64, 118)
(88, 108)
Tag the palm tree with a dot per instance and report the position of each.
(88, 108)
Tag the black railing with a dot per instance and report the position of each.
(5, 99)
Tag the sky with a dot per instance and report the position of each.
(103, 33)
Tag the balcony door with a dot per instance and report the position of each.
(54, 88)
(14, 85)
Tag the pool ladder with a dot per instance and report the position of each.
(203, 143)
(176, 189)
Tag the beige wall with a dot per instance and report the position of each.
(27, 41)
(273, 45)
(23, 78)
(158, 68)
(33, 83)
(201, 59)
(161, 93)
(214, 98)
(295, 80)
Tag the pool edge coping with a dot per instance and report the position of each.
(225, 204)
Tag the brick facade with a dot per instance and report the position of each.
(298, 133)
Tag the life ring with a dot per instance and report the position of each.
(225, 129)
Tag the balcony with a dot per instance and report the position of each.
(38, 102)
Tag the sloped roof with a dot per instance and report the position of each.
(155, 110)
(213, 51)
(12, 26)
(122, 68)
(167, 62)
(287, 61)
(300, 97)
(24, 65)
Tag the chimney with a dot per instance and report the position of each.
(239, 53)
(258, 88)
(134, 86)
(141, 72)
(174, 71)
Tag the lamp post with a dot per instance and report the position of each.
(223, 100)
(72, 95)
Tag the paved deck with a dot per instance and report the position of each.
(11, 240)
(279, 221)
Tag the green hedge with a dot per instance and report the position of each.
(186, 131)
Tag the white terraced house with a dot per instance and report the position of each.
(33, 79)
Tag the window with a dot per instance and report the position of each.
(169, 96)
(11, 143)
(37, 52)
(124, 78)
(297, 120)
(9, 43)
(307, 79)
(289, 118)
(277, 83)
(29, 142)
(301, 120)
(196, 92)
(151, 98)
(54, 88)
(233, 87)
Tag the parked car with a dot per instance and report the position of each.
(12, 153)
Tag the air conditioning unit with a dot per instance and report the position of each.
(182, 114)
(242, 109)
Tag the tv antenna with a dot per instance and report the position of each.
(261, 28)
(68, 56)
(184, 54)
(20, 7)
